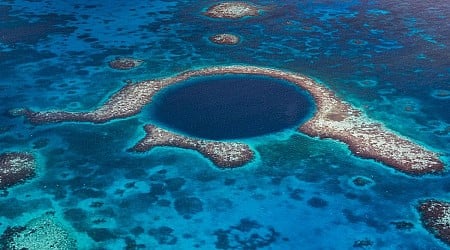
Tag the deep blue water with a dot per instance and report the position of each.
(231, 107)
(387, 58)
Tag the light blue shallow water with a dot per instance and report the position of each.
(389, 59)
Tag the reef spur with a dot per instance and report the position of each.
(334, 118)
(222, 154)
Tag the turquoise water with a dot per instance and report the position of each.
(388, 59)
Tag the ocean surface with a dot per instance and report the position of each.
(231, 107)
(390, 59)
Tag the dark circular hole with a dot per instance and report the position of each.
(231, 106)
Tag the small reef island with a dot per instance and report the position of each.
(232, 10)
(225, 39)
(334, 118)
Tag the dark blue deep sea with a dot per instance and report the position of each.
(390, 59)
(231, 107)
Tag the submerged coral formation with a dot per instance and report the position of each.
(40, 233)
(248, 234)
(125, 63)
(435, 216)
(16, 167)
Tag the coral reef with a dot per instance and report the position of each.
(125, 63)
(435, 217)
(226, 39)
(16, 167)
(334, 118)
(248, 234)
(232, 10)
(41, 233)
(223, 154)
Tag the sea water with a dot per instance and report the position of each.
(389, 59)
(231, 107)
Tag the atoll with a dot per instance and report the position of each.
(333, 118)
(16, 167)
(40, 233)
(125, 63)
(222, 154)
(225, 39)
(435, 217)
(232, 10)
